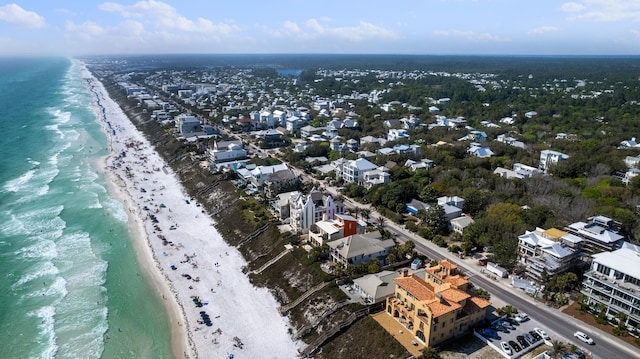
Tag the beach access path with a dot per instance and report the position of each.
(214, 309)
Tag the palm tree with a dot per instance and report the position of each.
(381, 221)
(558, 349)
(365, 213)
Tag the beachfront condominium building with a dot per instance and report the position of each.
(436, 307)
(613, 282)
(549, 158)
(599, 234)
(188, 124)
(548, 252)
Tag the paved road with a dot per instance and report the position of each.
(557, 324)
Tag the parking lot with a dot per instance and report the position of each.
(519, 337)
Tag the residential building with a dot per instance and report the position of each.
(438, 306)
(396, 134)
(423, 164)
(378, 142)
(314, 207)
(452, 206)
(281, 204)
(360, 248)
(378, 176)
(599, 234)
(613, 281)
(188, 124)
(526, 171)
(377, 287)
(479, 151)
(549, 158)
(352, 171)
(225, 151)
(458, 224)
(544, 251)
(327, 230)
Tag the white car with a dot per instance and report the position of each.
(583, 337)
(506, 348)
(521, 317)
(542, 333)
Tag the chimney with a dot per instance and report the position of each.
(405, 272)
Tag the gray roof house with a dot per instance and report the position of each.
(360, 248)
(375, 288)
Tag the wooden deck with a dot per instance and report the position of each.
(399, 332)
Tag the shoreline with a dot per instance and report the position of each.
(181, 343)
(214, 310)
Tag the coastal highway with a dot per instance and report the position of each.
(558, 325)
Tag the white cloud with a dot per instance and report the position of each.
(87, 27)
(163, 16)
(544, 30)
(319, 28)
(14, 14)
(470, 35)
(603, 10)
(571, 7)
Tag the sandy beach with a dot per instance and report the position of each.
(214, 310)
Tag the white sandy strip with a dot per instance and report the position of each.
(250, 325)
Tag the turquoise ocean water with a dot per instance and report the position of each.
(70, 285)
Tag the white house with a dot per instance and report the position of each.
(224, 151)
(549, 158)
(188, 124)
(397, 134)
(306, 210)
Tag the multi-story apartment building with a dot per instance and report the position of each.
(599, 234)
(550, 251)
(614, 282)
(438, 307)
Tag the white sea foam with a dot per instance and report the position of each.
(47, 332)
(44, 249)
(40, 270)
(17, 184)
(11, 226)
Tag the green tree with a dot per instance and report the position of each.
(430, 353)
(481, 293)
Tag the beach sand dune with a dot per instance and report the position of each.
(213, 308)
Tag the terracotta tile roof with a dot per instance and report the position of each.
(445, 263)
(475, 303)
(440, 307)
(454, 295)
(417, 287)
(458, 280)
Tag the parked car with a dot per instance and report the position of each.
(521, 317)
(508, 325)
(583, 337)
(490, 333)
(506, 348)
(529, 338)
(535, 335)
(542, 333)
(515, 346)
(523, 342)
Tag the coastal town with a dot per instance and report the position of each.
(407, 212)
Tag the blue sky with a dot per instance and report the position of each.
(486, 27)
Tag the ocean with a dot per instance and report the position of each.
(71, 286)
